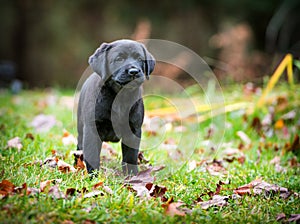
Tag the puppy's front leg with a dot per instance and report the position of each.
(130, 157)
(91, 147)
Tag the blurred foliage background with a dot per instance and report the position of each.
(48, 42)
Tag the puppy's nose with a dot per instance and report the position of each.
(133, 71)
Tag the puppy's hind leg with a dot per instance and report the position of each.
(91, 148)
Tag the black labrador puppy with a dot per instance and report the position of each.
(110, 105)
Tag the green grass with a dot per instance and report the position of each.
(183, 184)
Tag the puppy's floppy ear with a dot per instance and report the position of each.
(149, 62)
(98, 61)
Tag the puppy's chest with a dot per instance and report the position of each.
(107, 119)
(106, 107)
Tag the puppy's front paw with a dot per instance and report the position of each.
(129, 169)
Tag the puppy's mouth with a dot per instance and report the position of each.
(135, 83)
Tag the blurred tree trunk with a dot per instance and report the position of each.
(20, 37)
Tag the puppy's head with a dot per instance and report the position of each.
(124, 61)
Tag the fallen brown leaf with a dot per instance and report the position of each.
(29, 136)
(216, 168)
(211, 193)
(105, 188)
(43, 123)
(244, 137)
(56, 193)
(258, 187)
(67, 222)
(144, 176)
(32, 191)
(78, 160)
(89, 221)
(94, 193)
(171, 208)
(68, 138)
(157, 191)
(293, 162)
(108, 149)
(295, 146)
(276, 162)
(256, 124)
(21, 190)
(15, 143)
(71, 191)
(289, 116)
(231, 154)
(45, 185)
(65, 167)
(216, 200)
(280, 217)
(51, 162)
(6, 188)
(97, 185)
(143, 185)
(62, 166)
(142, 159)
(294, 218)
(282, 103)
(90, 208)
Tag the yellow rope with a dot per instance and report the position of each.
(287, 62)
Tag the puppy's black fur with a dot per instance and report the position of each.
(110, 105)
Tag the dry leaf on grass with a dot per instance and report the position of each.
(52, 191)
(43, 123)
(62, 166)
(217, 200)
(94, 193)
(67, 222)
(8, 188)
(172, 208)
(45, 185)
(15, 143)
(56, 193)
(156, 191)
(280, 217)
(244, 137)
(143, 185)
(258, 187)
(108, 149)
(65, 167)
(295, 146)
(216, 168)
(144, 176)
(211, 193)
(78, 160)
(231, 154)
(29, 136)
(142, 159)
(68, 138)
(105, 188)
(276, 162)
(294, 218)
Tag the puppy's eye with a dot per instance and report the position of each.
(140, 59)
(119, 59)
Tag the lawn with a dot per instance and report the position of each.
(200, 166)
